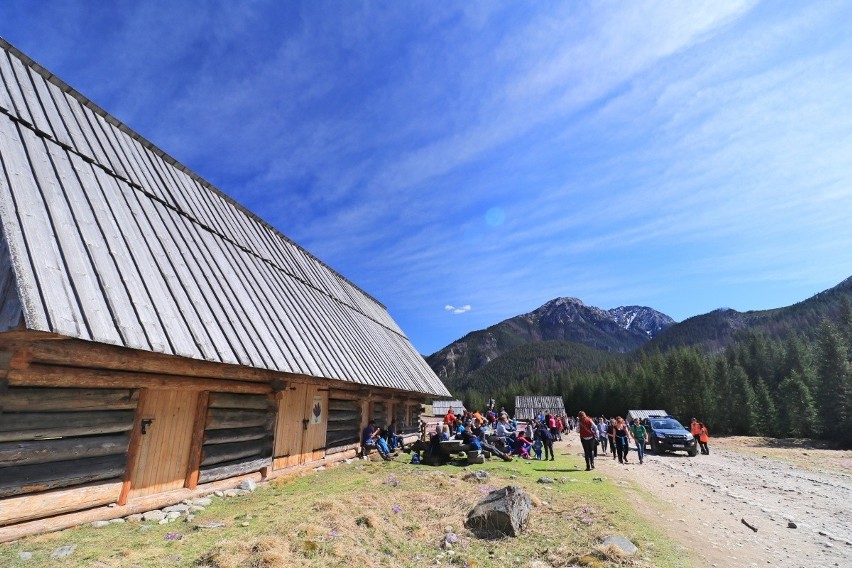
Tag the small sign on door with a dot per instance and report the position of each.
(316, 410)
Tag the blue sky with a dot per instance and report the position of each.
(464, 162)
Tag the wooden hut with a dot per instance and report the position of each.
(441, 407)
(158, 340)
(529, 407)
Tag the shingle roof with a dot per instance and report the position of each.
(106, 238)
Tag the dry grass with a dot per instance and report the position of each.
(371, 514)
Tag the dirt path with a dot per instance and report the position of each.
(702, 501)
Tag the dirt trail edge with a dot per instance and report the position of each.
(798, 498)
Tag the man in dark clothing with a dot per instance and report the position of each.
(479, 432)
(543, 433)
(371, 437)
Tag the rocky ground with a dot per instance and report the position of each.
(796, 495)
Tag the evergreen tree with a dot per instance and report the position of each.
(797, 416)
(832, 374)
(743, 403)
(765, 416)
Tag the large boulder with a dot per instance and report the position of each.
(503, 512)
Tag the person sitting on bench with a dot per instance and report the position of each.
(371, 438)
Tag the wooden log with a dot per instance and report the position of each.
(350, 426)
(21, 426)
(58, 399)
(343, 448)
(224, 471)
(72, 352)
(338, 416)
(49, 376)
(344, 405)
(59, 501)
(241, 401)
(226, 436)
(219, 418)
(221, 453)
(17, 480)
(140, 505)
(336, 438)
(46, 451)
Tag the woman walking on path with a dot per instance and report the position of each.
(622, 439)
(587, 438)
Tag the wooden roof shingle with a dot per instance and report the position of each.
(106, 238)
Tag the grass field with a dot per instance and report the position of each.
(367, 514)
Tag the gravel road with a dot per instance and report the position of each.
(798, 497)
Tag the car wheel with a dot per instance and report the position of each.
(693, 453)
(655, 448)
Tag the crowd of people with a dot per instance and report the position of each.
(506, 437)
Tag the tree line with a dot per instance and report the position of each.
(794, 385)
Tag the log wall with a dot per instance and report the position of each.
(54, 438)
(344, 422)
(238, 435)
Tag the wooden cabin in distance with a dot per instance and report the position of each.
(158, 340)
(529, 407)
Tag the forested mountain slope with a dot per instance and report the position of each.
(577, 336)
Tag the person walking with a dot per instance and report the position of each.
(602, 433)
(639, 433)
(587, 438)
(622, 439)
(610, 434)
(703, 438)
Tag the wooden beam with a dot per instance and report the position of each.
(132, 450)
(90, 354)
(46, 451)
(20, 479)
(197, 440)
(56, 502)
(54, 376)
(140, 505)
(65, 400)
(23, 426)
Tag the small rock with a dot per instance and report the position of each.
(248, 485)
(202, 502)
(173, 515)
(622, 543)
(117, 521)
(231, 493)
(189, 518)
(180, 508)
(64, 551)
(134, 518)
(219, 493)
(210, 525)
(153, 516)
(792, 525)
(100, 524)
(545, 480)
(598, 479)
(164, 521)
(195, 509)
(245, 524)
(25, 555)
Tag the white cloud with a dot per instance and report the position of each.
(455, 310)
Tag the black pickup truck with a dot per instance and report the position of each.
(668, 435)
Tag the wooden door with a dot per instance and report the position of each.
(316, 412)
(165, 438)
(301, 427)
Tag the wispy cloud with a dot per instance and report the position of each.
(459, 310)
